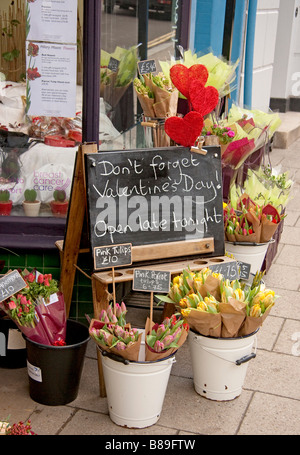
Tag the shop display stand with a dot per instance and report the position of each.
(162, 256)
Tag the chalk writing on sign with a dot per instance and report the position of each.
(146, 66)
(229, 270)
(155, 196)
(112, 256)
(151, 280)
(10, 284)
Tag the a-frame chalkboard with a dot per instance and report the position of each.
(166, 202)
(152, 196)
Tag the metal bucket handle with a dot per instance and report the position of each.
(238, 362)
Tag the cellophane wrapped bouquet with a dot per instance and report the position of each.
(38, 309)
(217, 307)
(113, 84)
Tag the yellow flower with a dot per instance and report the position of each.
(173, 291)
(224, 205)
(202, 306)
(265, 297)
(178, 280)
(219, 276)
(239, 294)
(185, 312)
(184, 303)
(193, 299)
(255, 311)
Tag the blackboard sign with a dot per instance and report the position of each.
(10, 284)
(229, 270)
(112, 256)
(152, 196)
(244, 270)
(151, 280)
(146, 66)
(113, 64)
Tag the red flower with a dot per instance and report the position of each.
(40, 278)
(32, 74)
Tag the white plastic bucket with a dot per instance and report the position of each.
(220, 364)
(253, 254)
(136, 390)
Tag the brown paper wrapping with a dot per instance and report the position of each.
(166, 105)
(207, 324)
(211, 286)
(151, 356)
(252, 323)
(233, 315)
(146, 105)
(110, 93)
(165, 101)
(268, 229)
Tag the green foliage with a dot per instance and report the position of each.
(30, 195)
(4, 195)
(59, 195)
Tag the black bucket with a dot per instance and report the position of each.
(12, 345)
(54, 371)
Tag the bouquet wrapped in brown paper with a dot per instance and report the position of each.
(251, 222)
(113, 338)
(164, 339)
(159, 99)
(238, 309)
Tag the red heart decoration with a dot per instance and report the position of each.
(184, 131)
(181, 76)
(203, 99)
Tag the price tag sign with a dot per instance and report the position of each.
(10, 284)
(151, 280)
(228, 269)
(146, 66)
(112, 256)
(244, 270)
(113, 64)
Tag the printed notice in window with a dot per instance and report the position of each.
(51, 20)
(51, 79)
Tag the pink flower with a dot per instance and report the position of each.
(23, 300)
(158, 346)
(46, 282)
(30, 277)
(12, 305)
(40, 278)
(231, 133)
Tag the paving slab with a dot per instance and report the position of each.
(275, 372)
(271, 415)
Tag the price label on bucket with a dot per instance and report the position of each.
(10, 284)
(151, 280)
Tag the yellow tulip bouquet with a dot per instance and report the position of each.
(215, 306)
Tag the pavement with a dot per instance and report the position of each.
(270, 400)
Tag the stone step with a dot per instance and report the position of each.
(289, 130)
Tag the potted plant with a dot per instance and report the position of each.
(59, 206)
(5, 202)
(31, 205)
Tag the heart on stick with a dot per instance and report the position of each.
(203, 99)
(184, 131)
(181, 76)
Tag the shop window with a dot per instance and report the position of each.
(28, 161)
